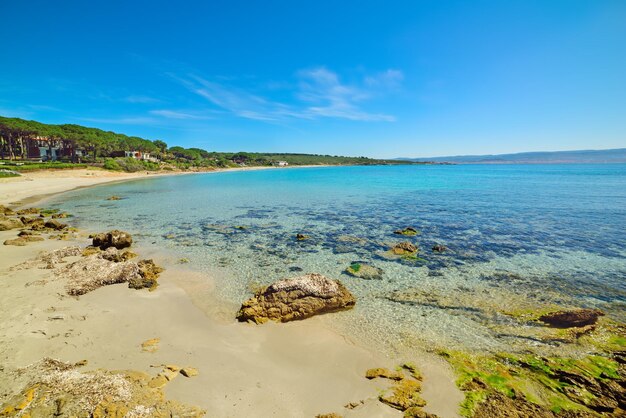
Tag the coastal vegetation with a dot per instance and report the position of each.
(29, 145)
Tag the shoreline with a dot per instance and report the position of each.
(11, 194)
(321, 370)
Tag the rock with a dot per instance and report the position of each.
(94, 271)
(151, 345)
(301, 237)
(114, 198)
(54, 224)
(295, 299)
(59, 215)
(115, 238)
(365, 271)
(36, 224)
(6, 211)
(10, 223)
(23, 240)
(29, 211)
(438, 248)
(90, 250)
(189, 372)
(149, 272)
(383, 373)
(408, 231)
(417, 412)
(404, 248)
(403, 395)
(113, 254)
(570, 319)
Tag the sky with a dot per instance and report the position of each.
(374, 78)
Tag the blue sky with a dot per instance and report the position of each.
(375, 78)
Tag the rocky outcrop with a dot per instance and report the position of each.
(571, 319)
(56, 389)
(295, 299)
(365, 271)
(438, 248)
(404, 248)
(114, 238)
(301, 237)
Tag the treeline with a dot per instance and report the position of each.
(96, 142)
(104, 147)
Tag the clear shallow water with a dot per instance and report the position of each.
(518, 236)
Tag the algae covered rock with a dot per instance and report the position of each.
(302, 237)
(115, 238)
(295, 299)
(364, 271)
(408, 231)
(148, 274)
(571, 319)
(383, 373)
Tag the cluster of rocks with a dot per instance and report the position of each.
(32, 222)
(107, 261)
(295, 299)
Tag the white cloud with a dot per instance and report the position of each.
(319, 93)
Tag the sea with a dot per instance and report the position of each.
(518, 239)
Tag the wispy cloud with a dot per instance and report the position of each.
(181, 114)
(141, 99)
(318, 93)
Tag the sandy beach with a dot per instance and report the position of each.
(297, 369)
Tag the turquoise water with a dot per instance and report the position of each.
(518, 236)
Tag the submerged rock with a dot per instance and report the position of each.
(114, 198)
(570, 319)
(438, 248)
(295, 299)
(114, 238)
(365, 271)
(408, 231)
(301, 237)
(404, 248)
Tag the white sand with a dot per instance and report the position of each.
(285, 370)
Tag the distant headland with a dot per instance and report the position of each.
(604, 156)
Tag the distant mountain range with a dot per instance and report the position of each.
(556, 157)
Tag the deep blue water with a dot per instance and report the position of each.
(558, 228)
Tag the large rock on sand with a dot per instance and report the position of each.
(115, 238)
(296, 298)
(10, 223)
